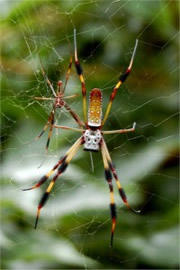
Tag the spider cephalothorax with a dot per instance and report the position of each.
(93, 140)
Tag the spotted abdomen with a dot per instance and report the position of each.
(95, 108)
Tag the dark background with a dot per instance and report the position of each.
(74, 227)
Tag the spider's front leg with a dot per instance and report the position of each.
(80, 73)
(121, 80)
(67, 74)
(48, 81)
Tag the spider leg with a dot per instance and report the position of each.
(80, 73)
(42, 98)
(51, 123)
(74, 115)
(65, 157)
(108, 177)
(72, 96)
(60, 170)
(48, 81)
(50, 131)
(121, 190)
(120, 130)
(67, 74)
(46, 126)
(69, 128)
(122, 79)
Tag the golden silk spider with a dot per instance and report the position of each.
(92, 139)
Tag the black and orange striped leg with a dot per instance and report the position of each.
(45, 196)
(46, 177)
(50, 131)
(51, 116)
(60, 170)
(122, 79)
(121, 190)
(74, 115)
(80, 73)
(108, 177)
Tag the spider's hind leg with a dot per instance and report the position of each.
(108, 177)
(121, 190)
(61, 166)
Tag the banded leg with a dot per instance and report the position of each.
(49, 137)
(120, 130)
(122, 79)
(108, 177)
(121, 190)
(51, 116)
(60, 170)
(50, 132)
(46, 176)
(74, 115)
(67, 74)
(80, 73)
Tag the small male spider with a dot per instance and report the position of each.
(92, 139)
(58, 102)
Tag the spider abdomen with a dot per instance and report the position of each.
(95, 108)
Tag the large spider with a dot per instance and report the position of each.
(58, 102)
(92, 139)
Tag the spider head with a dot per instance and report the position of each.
(92, 139)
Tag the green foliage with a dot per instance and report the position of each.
(74, 226)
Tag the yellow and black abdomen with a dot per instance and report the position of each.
(95, 108)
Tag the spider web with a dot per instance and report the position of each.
(76, 219)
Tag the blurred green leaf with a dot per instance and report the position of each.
(158, 249)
